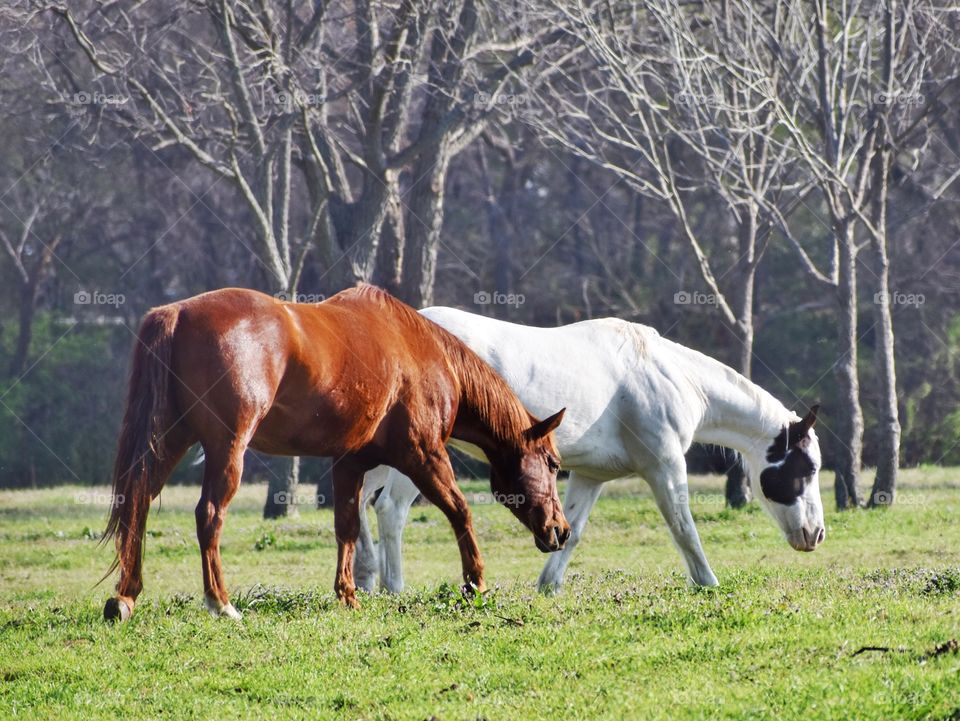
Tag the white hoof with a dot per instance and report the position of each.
(217, 610)
(391, 585)
(707, 580)
(549, 588)
(368, 584)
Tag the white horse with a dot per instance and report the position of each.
(635, 402)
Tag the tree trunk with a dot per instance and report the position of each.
(282, 490)
(424, 223)
(738, 492)
(28, 307)
(849, 414)
(888, 421)
(498, 226)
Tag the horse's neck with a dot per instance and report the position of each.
(739, 414)
(490, 416)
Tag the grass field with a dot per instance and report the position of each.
(781, 638)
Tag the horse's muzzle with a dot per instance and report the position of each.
(807, 540)
(554, 539)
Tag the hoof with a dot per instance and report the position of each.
(550, 589)
(350, 602)
(219, 610)
(472, 589)
(116, 609)
(367, 584)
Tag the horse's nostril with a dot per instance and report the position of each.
(821, 534)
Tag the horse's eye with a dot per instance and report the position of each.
(552, 464)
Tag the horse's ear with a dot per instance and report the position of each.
(800, 429)
(547, 425)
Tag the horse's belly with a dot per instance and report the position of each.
(328, 426)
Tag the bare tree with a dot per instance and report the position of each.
(763, 105)
(914, 79)
(859, 69)
(329, 120)
(669, 105)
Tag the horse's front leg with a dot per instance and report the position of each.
(436, 480)
(347, 482)
(669, 484)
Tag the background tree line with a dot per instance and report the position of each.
(772, 183)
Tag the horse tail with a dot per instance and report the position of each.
(140, 449)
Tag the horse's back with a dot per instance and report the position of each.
(230, 342)
(312, 379)
(597, 369)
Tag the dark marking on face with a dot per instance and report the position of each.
(785, 482)
(791, 435)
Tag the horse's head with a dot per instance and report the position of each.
(525, 481)
(788, 486)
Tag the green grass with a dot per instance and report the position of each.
(627, 639)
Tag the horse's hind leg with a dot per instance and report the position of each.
(347, 481)
(221, 478)
(365, 558)
(393, 508)
(176, 441)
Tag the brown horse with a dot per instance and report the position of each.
(360, 377)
